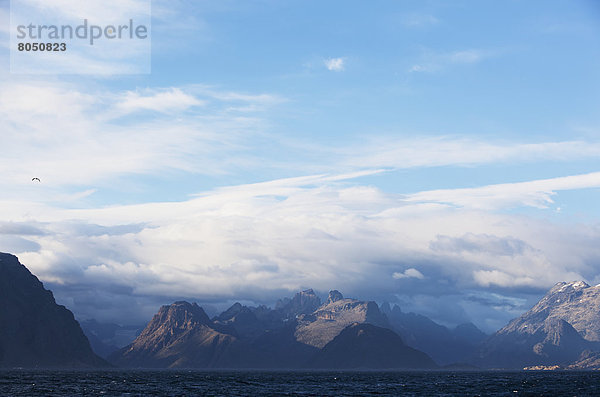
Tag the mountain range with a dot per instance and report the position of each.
(561, 331)
(299, 333)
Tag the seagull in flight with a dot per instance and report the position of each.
(35, 179)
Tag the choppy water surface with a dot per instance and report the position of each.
(240, 383)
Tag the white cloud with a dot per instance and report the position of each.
(441, 151)
(165, 101)
(335, 64)
(96, 10)
(69, 136)
(241, 102)
(408, 273)
(435, 62)
(536, 193)
(497, 277)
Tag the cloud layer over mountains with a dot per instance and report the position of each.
(260, 242)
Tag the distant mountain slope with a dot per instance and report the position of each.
(368, 346)
(556, 331)
(34, 330)
(106, 338)
(444, 345)
(586, 361)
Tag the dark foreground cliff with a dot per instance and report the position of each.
(34, 330)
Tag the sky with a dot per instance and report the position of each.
(440, 155)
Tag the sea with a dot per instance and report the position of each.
(23, 382)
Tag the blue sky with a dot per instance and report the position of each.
(442, 155)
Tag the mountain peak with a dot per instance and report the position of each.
(573, 285)
(228, 314)
(181, 314)
(579, 284)
(180, 335)
(334, 296)
(304, 302)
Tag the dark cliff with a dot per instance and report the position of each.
(34, 330)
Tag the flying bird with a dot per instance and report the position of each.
(35, 179)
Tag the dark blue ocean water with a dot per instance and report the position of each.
(271, 383)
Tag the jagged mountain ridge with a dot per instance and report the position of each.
(320, 327)
(288, 324)
(34, 330)
(181, 335)
(304, 302)
(556, 331)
